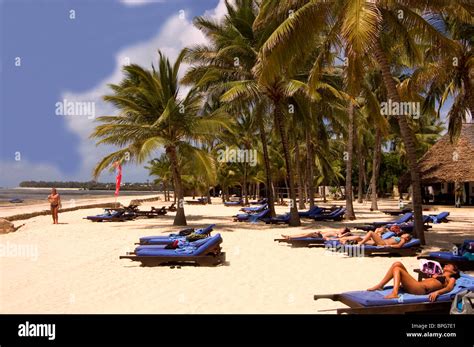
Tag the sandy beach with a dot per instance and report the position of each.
(74, 267)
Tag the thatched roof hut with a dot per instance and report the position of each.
(450, 162)
(446, 162)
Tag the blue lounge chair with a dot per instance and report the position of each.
(410, 226)
(281, 219)
(337, 214)
(255, 209)
(304, 241)
(463, 258)
(259, 202)
(199, 201)
(164, 240)
(252, 218)
(373, 302)
(410, 248)
(233, 203)
(403, 219)
(202, 252)
(112, 216)
(315, 210)
(400, 221)
(439, 218)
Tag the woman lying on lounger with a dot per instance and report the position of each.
(396, 241)
(355, 239)
(321, 234)
(434, 286)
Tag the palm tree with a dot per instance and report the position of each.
(230, 57)
(152, 116)
(161, 168)
(450, 75)
(363, 26)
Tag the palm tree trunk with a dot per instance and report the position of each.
(324, 193)
(244, 186)
(360, 188)
(350, 215)
(209, 195)
(408, 138)
(268, 172)
(257, 190)
(301, 204)
(180, 218)
(375, 168)
(294, 216)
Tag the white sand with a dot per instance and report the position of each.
(75, 267)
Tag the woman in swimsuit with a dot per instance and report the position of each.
(373, 238)
(348, 238)
(434, 286)
(55, 202)
(321, 234)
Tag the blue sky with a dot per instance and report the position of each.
(75, 58)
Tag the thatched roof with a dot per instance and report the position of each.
(448, 162)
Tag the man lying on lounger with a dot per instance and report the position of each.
(321, 234)
(434, 286)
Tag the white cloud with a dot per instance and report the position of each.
(219, 11)
(176, 34)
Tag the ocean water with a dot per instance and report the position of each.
(66, 194)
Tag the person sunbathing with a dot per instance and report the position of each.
(396, 241)
(393, 228)
(321, 234)
(355, 239)
(434, 286)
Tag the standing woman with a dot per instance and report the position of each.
(55, 202)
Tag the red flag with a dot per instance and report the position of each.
(118, 178)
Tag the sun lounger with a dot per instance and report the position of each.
(315, 210)
(373, 302)
(204, 252)
(200, 201)
(254, 209)
(233, 203)
(397, 212)
(439, 218)
(337, 214)
(304, 241)
(463, 258)
(259, 202)
(403, 222)
(320, 241)
(282, 219)
(252, 218)
(112, 216)
(410, 248)
(163, 240)
(172, 207)
(403, 219)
